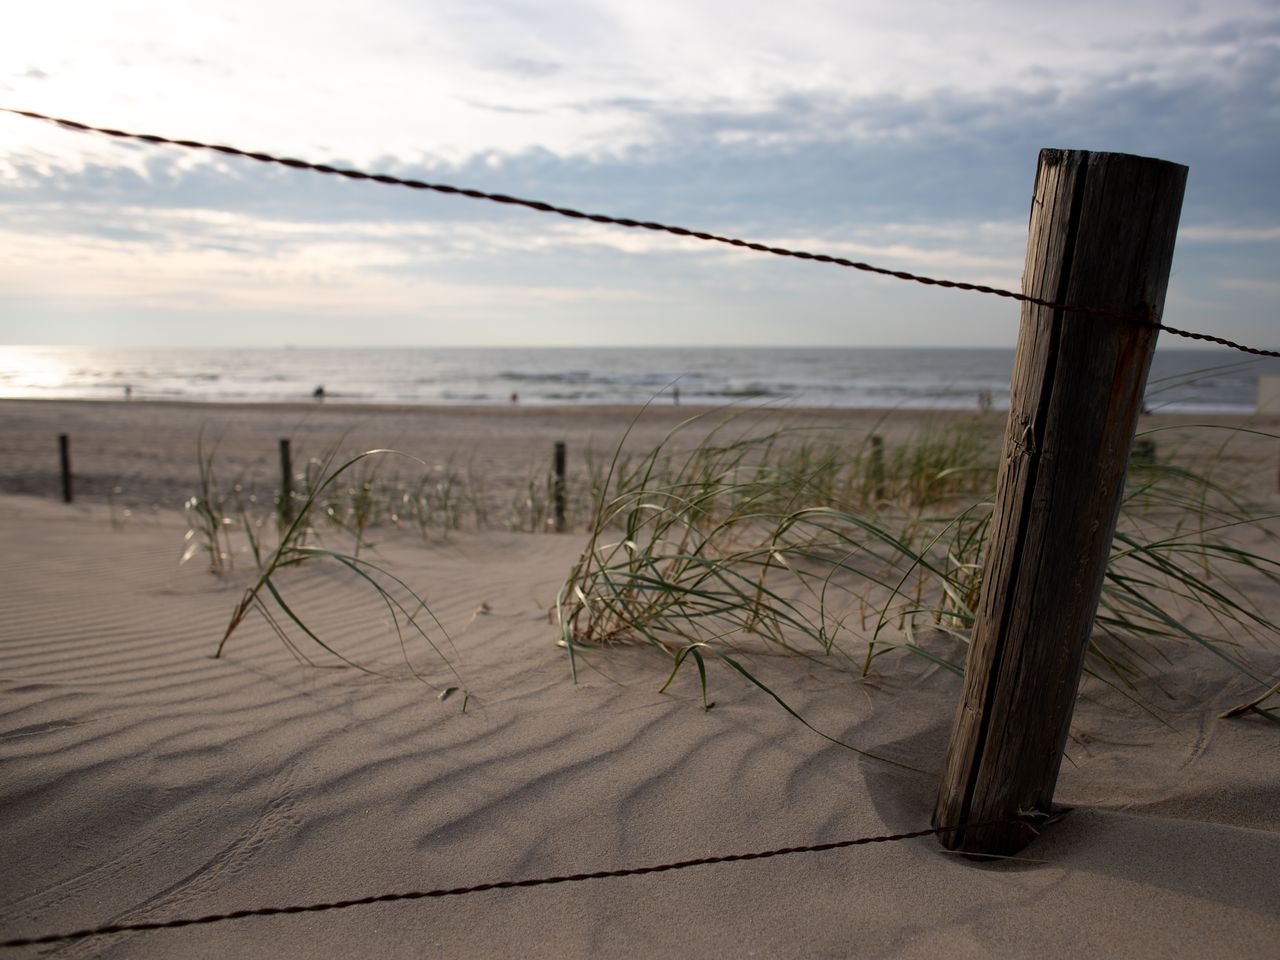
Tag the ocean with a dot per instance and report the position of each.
(1190, 381)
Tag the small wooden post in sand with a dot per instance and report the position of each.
(877, 466)
(1269, 402)
(286, 482)
(1101, 235)
(558, 491)
(64, 456)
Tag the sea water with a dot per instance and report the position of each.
(1208, 380)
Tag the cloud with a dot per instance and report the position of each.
(330, 274)
(794, 160)
(1251, 285)
(526, 68)
(504, 108)
(1218, 233)
(851, 131)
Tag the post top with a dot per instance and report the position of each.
(1052, 156)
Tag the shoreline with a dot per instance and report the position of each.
(659, 401)
(1205, 379)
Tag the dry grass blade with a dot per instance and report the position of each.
(404, 605)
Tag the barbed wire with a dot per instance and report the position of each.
(542, 207)
(500, 885)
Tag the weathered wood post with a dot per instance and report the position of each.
(877, 466)
(1269, 402)
(286, 483)
(558, 491)
(1101, 235)
(64, 457)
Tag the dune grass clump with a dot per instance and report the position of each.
(726, 541)
(436, 503)
(209, 515)
(749, 542)
(351, 499)
(353, 502)
(226, 521)
(408, 611)
(1175, 564)
(789, 543)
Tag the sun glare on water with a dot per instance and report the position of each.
(30, 371)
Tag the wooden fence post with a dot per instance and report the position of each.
(1144, 452)
(1101, 235)
(559, 487)
(877, 466)
(286, 482)
(64, 457)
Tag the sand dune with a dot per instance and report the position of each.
(145, 780)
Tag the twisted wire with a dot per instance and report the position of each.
(1222, 341)
(482, 887)
(542, 207)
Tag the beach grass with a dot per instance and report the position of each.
(727, 540)
(348, 486)
(787, 543)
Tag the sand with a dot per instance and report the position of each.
(145, 780)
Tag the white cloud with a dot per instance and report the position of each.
(879, 132)
(457, 78)
(326, 276)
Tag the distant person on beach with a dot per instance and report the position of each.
(515, 397)
(675, 395)
(128, 391)
(318, 392)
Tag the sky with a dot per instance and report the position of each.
(904, 134)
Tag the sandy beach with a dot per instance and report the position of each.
(148, 449)
(145, 780)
